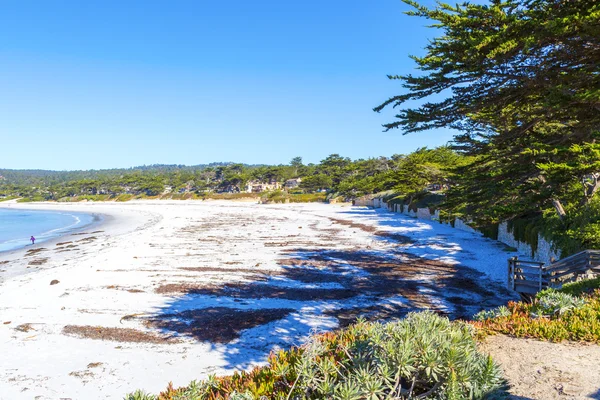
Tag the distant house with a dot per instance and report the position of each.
(187, 188)
(292, 183)
(258, 187)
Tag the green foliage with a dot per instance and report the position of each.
(140, 395)
(518, 79)
(421, 356)
(565, 317)
(316, 182)
(334, 174)
(585, 286)
(279, 196)
(578, 231)
(501, 311)
(230, 196)
(490, 231)
(241, 396)
(526, 229)
(31, 199)
(124, 197)
(554, 303)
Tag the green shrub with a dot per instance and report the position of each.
(124, 197)
(421, 356)
(32, 198)
(501, 311)
(140, 395)
(181, 196)
(230, 196)
(241, 396)
(88, 197)
(551, 303)
(577, 320)
(279, 196)
(307, 197)
(585, 286)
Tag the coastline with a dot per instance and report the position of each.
(96, 222)
(104, 221)
(101, 306)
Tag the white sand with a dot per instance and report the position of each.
(146, 244)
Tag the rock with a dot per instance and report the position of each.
(54, 282)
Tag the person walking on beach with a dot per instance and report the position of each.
(32, 240)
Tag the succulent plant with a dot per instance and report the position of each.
(423, 356)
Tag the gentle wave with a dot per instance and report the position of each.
(16, 226)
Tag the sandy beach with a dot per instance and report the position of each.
(176, 290)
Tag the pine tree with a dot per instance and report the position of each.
(521, 82)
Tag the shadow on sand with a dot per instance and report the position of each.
(317, 291)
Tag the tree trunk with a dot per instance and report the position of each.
(590, 188)
(559, 209)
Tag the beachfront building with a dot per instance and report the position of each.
(258, 186)
(292, 183)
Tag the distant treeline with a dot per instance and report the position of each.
(335, 174)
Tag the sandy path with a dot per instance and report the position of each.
(543, 370)
(178, 290)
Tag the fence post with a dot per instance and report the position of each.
(511, 274)
(541, 267)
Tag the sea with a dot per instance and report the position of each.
(17, 226)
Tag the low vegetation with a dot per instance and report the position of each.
(280, 196)
(571, 313)
(7, 198)
(423, 356)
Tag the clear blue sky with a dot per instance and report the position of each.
(101, 84)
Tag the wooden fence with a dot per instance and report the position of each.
(529, 277)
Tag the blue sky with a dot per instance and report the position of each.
(101, 84)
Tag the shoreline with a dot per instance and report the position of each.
(143, 302)
(104, 221)
(97, 221)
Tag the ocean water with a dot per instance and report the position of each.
(17, 226)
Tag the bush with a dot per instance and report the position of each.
(551, 303)
(279, 196)
(140, 395)
(230, 196)
(124, 197)
(570, 318)
(586, 286)
(181, 196)
(421, 356)
(31, 199)
(501, 311)
(308, 197)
